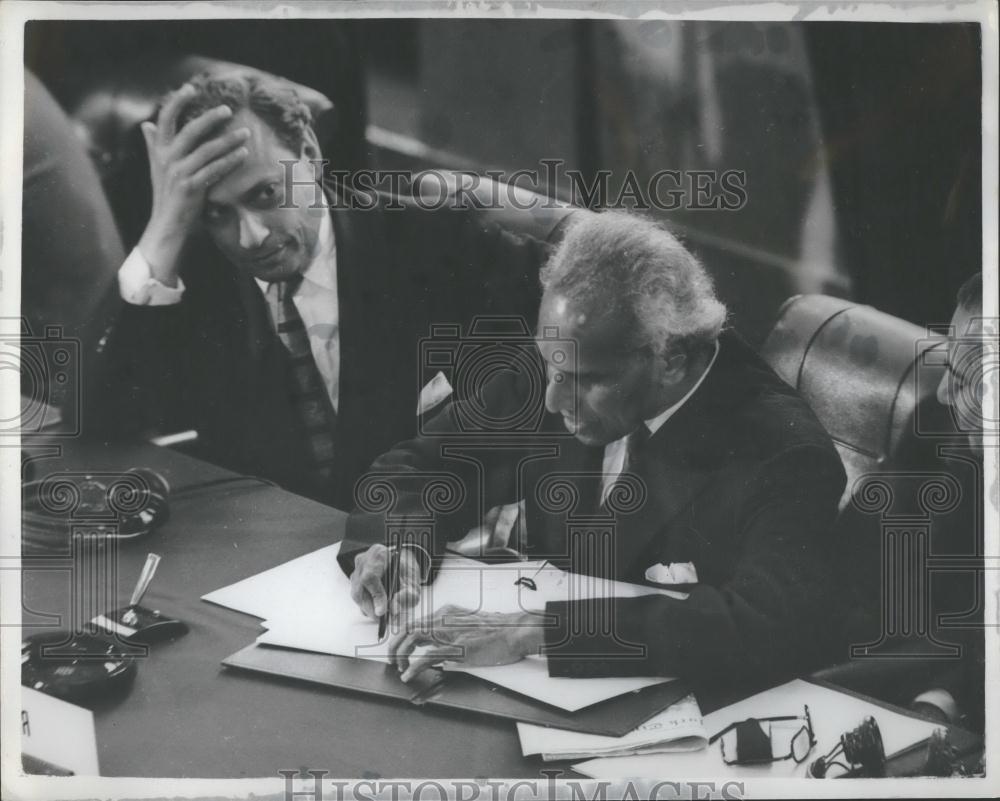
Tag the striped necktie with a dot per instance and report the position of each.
(304, 382)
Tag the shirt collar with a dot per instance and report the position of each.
(322, 270)
(654, 424)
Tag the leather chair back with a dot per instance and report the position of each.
(509, 232)
(508, 208)
(864, 373)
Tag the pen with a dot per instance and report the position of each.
(391, 588)
(145, 577)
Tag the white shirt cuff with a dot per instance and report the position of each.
(138, 287)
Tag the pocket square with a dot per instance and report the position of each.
(674, 573)
(433, 393)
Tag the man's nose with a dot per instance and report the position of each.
(253, 232)
(555, 393)
(944, 390)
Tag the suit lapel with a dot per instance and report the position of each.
(672, 480)
(362, 265)
(256, 320)
(678, 464)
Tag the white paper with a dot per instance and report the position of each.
(832, 713)
(58, 732)
(679, 727)
(311, 581)
(305, 604)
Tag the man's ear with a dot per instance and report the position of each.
(675, 365)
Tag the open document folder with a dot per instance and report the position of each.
(306, 604)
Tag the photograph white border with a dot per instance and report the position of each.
(13, 15)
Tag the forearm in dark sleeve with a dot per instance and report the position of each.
(766, 618)
(415, 495)
(141, 380)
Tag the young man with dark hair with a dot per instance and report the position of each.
(265, 311)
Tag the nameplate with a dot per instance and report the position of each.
(58, 733)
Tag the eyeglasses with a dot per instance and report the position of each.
(752, 744)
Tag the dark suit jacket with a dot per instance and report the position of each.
(213, 363)
(70, 248)
(949, 600)
(742, 481)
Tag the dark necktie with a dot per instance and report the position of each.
(634, 445)
(305, 384)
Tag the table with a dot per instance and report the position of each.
(185, 715)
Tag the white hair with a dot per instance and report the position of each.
(628, 265)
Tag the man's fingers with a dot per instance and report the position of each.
(148, 134)
(402, 645)
(212, 149)
(167, 119)
(409, 566)
(366, 563)
(370, 567)
(407, 597)
(418, 663)
(366, 605)
(198, 129)
(375, 587)
(217, 169)
(409, 582)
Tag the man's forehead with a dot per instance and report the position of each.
(266, 152)
(596, 338)
(966, 333)
(567, 316)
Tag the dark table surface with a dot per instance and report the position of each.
(186, 715)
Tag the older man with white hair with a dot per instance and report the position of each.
(688, 461)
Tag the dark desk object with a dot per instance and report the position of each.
(910, 761)
(615, 717)
(185, 715)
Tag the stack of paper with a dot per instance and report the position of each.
(677, 728)
(832, 712)
(305, 604)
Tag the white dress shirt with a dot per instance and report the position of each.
(315, 300)
(614, 452)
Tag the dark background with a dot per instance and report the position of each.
(861, 142)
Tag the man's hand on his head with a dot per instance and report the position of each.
(368, 581)
(183, 166)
